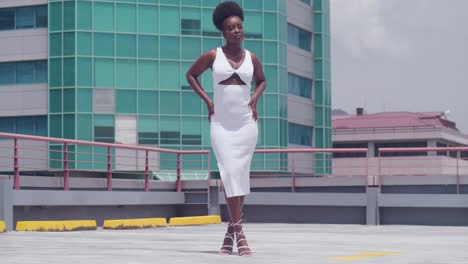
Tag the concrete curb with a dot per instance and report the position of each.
(195, 220)
(2, 227)
(56, 225)
(134, 223)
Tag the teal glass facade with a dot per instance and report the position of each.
(322, 83)
(128, 58)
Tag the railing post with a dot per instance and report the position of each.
(367, 170)
(147, 171)
(380, 172)
(293, 174)
(16, 184)
(66, 180)
(209, 168)
(208, 187)
(178, 182)
(458, 171)
(109, 169)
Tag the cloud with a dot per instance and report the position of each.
(360, 29)
(400, 55)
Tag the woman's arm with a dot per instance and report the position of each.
(204, 62)
(260, 84)
(198, 67)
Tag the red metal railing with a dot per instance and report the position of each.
(304, 162)
(432, 161)
(283, 163)
(65, 161)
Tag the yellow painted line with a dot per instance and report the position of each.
(365, 255)
(134, 223)
(2, 227)
(56, 225)
(195, 220)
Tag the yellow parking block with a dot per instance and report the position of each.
(365, 255)
(2, 227)
(56, 225)
(195, 220)
(134, 223)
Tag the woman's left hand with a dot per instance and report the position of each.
(253, 106)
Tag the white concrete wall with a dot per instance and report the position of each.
(301, 63)
(401, 166)
(23, 45)
(300, 110)
(23, 100)
(300, 14)
(15, 3)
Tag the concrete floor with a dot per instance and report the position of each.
(272, 243)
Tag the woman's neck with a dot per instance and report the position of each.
(233, 48)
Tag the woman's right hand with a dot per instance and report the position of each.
(210, 106)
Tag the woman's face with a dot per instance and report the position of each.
(233, 31)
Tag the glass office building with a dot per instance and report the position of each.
(114, 71)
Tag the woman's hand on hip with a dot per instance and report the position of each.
(253, 106)
(210, 106)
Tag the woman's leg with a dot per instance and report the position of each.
(235, 209)
(228, 242)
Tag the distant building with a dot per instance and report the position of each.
(397, 130)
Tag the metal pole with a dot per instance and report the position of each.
(178, 182)
(147, 187)
(458, 172)
(16, 179)
(380, 173)
(66, 180)
(367, 170)
(293, 176)
(109, 169)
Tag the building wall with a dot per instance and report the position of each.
(109, 61)
(25, 44)
(23, 100)
(125, 63)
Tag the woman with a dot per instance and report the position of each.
(232, 114)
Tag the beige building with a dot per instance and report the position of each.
(399, 130)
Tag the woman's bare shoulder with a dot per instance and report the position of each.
(210, 54)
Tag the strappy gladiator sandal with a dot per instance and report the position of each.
(227, 249)
(240, 236)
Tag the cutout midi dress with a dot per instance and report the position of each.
(233, 130)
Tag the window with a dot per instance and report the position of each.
(23, 17)
(350, 154)
(29, 125)
(190, 27)
(104, 128)
(300, 86)
(7, 18)
(23, 72)
(441, 145)
(41, 16)
(148, 138)
(299, 37)
(306, 1)
(400, 145)
(148, 130)
(300, 134)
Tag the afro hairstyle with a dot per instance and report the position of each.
(225, 10)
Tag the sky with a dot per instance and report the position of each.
(401, 55)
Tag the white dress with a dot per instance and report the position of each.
(234, 132)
